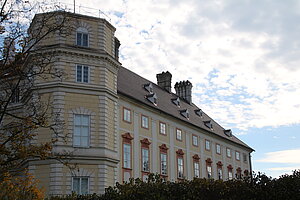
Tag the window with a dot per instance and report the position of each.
(162, 128)
(82, 73)
(228, 152)
(218, 149)
(82, 37)
(127, 156)
(15, 97)
(180, 167)
(230, 176)
(81, 130)
(80, 185)
(238, 173)
(207, 145)
(244, 157)
(163, 164)
(209, 171)
(220, 173)
(145, 160)
(237, 155)
(145, 122)
(196, 169)
(127, 115)
(195, 140)
(178, 134)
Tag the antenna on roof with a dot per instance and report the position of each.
(74, 6)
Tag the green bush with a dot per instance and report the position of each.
(261, 187)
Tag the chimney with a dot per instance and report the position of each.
(164, 80)
(184, 90)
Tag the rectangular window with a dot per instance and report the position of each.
(196, 169)
(145, 160)
(180, 167)
(80, 185)
(15, 97)
(218, 149)
(209, 171)
(207, 145)
(230, 176)
(81, 130)
(228, 152)
(163, 163)
(82, 73)
(244, 157)
(82, 39)
(195, 140)
(237, 155)
(162, 128)
(127, 115)
(178, 134)
(145, 122)
(127, 156)
(220, 174)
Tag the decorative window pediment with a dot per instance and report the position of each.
(196, 157)
(180, 152)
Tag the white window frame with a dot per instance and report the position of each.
(220, 173)
(207, 145)
(82, 73)
(237, 155)
(162, 128)
(144, 158)
(209, 171)
(180, 167)
(145, 122)
(195, 140)
(196, 169)
(129, 160)
(228, 152)
(82, 31)
(89, 131)
(178, 134)
(230, 174)
(163, 171)
(80, 179)
(126, 115)
(218, 148)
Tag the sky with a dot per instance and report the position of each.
(242, 58)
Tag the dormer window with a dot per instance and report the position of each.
(228, 133)
(149, 87)
(176, 101)
(199, 112)
(208, 124)
(185, 113)
(152, 98)
(82, 37)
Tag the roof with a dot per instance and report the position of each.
(132, 85)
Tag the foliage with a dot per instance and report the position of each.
(260, 187)
(25, 187)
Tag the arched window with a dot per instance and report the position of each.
(82, 37)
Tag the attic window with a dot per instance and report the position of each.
(185, 113)
(149, 87)
(208, 124)
(176, 101)
(152, 98)
(228, 132)
(199, 112)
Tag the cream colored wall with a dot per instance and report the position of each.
(42, 173)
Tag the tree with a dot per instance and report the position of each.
(23, 64)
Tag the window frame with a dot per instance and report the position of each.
(160, 130)
(130, 115)
(178, 130)
(80, 178)
(130, 156)
(142, 160)
(82, 33)
(161, 168)
(196, 169)
(228, 150)
(142, 122)
(82, 73)
(220, 152)
(197, 140)
(209, 145)
(80, 136)
(164, 150)
(179, 167)
(237, 155)
(127, 139)
(209, 166)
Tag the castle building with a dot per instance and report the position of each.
(121, 125)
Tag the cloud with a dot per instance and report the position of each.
(286, 157)
(284, 169)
